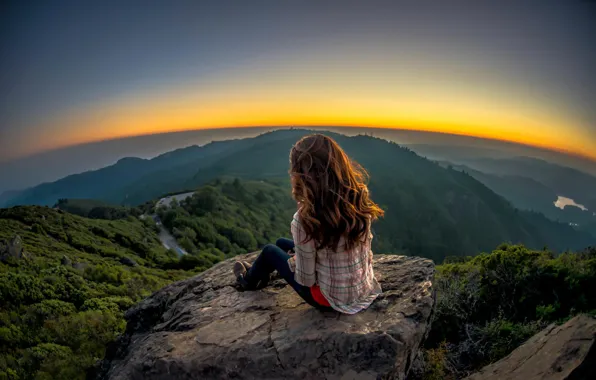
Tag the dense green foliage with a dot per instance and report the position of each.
(430, 211)
(94, 209)
(462, 225)
(490, 304)
(64, 300)
(228, 218)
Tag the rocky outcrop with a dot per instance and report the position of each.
(204, 328)
(66, 261)
(556, 353)
(80, 266)
(12, 248)
(128, 261)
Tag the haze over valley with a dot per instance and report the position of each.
(52, 165)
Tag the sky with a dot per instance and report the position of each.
(74, 72)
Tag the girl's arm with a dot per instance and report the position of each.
(305, 257)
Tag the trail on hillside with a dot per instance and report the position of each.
(166, 238)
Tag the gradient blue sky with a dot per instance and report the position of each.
(74, 72)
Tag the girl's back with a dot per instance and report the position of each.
(331, 228)
(331, 268)
(344, 276)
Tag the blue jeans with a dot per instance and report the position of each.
(275, 257)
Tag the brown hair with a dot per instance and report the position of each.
(332, 192)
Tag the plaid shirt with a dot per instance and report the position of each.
(345, 278)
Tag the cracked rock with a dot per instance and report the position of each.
(556, 353)
(204, 328)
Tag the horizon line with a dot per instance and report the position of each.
(306, 126)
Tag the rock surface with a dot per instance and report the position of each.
(12, 248)
(128, 261)
(66, 261)
(204, 328)
(563, 352)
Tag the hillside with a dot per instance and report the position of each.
(99, 184)
(65, 286)
(222, 165)
(564, 181)
(529, 194)
(212, 220)
(489, 304)
(132, 181)
(528, 183)
(430, 211)
(64, 294)
(227, 218)
(95, 209)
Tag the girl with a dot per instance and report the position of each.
(329, 261)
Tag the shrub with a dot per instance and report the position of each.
(55, 320)
(489, 304)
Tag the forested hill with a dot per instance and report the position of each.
(107, 184)
(227, 218)
(451, 220)
(65, 282)
(430, 211)
(564, 181)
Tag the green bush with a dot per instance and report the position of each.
(110, 304)
(56, 317)
(228, 218)
(490, 304)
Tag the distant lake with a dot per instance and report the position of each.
(561, 202)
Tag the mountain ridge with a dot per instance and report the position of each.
(430, 210)
(526, 193)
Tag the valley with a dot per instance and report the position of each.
(463, 210)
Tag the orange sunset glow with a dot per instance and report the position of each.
(363, 96)
(408, 69)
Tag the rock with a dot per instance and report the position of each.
(12, 248)
(128, 261)
(204, 328)
(80, 266)
(418, 367)
(557, 352)
(65, 261)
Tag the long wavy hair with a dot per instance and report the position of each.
(332, 193)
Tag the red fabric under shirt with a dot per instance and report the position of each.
(319, 298)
